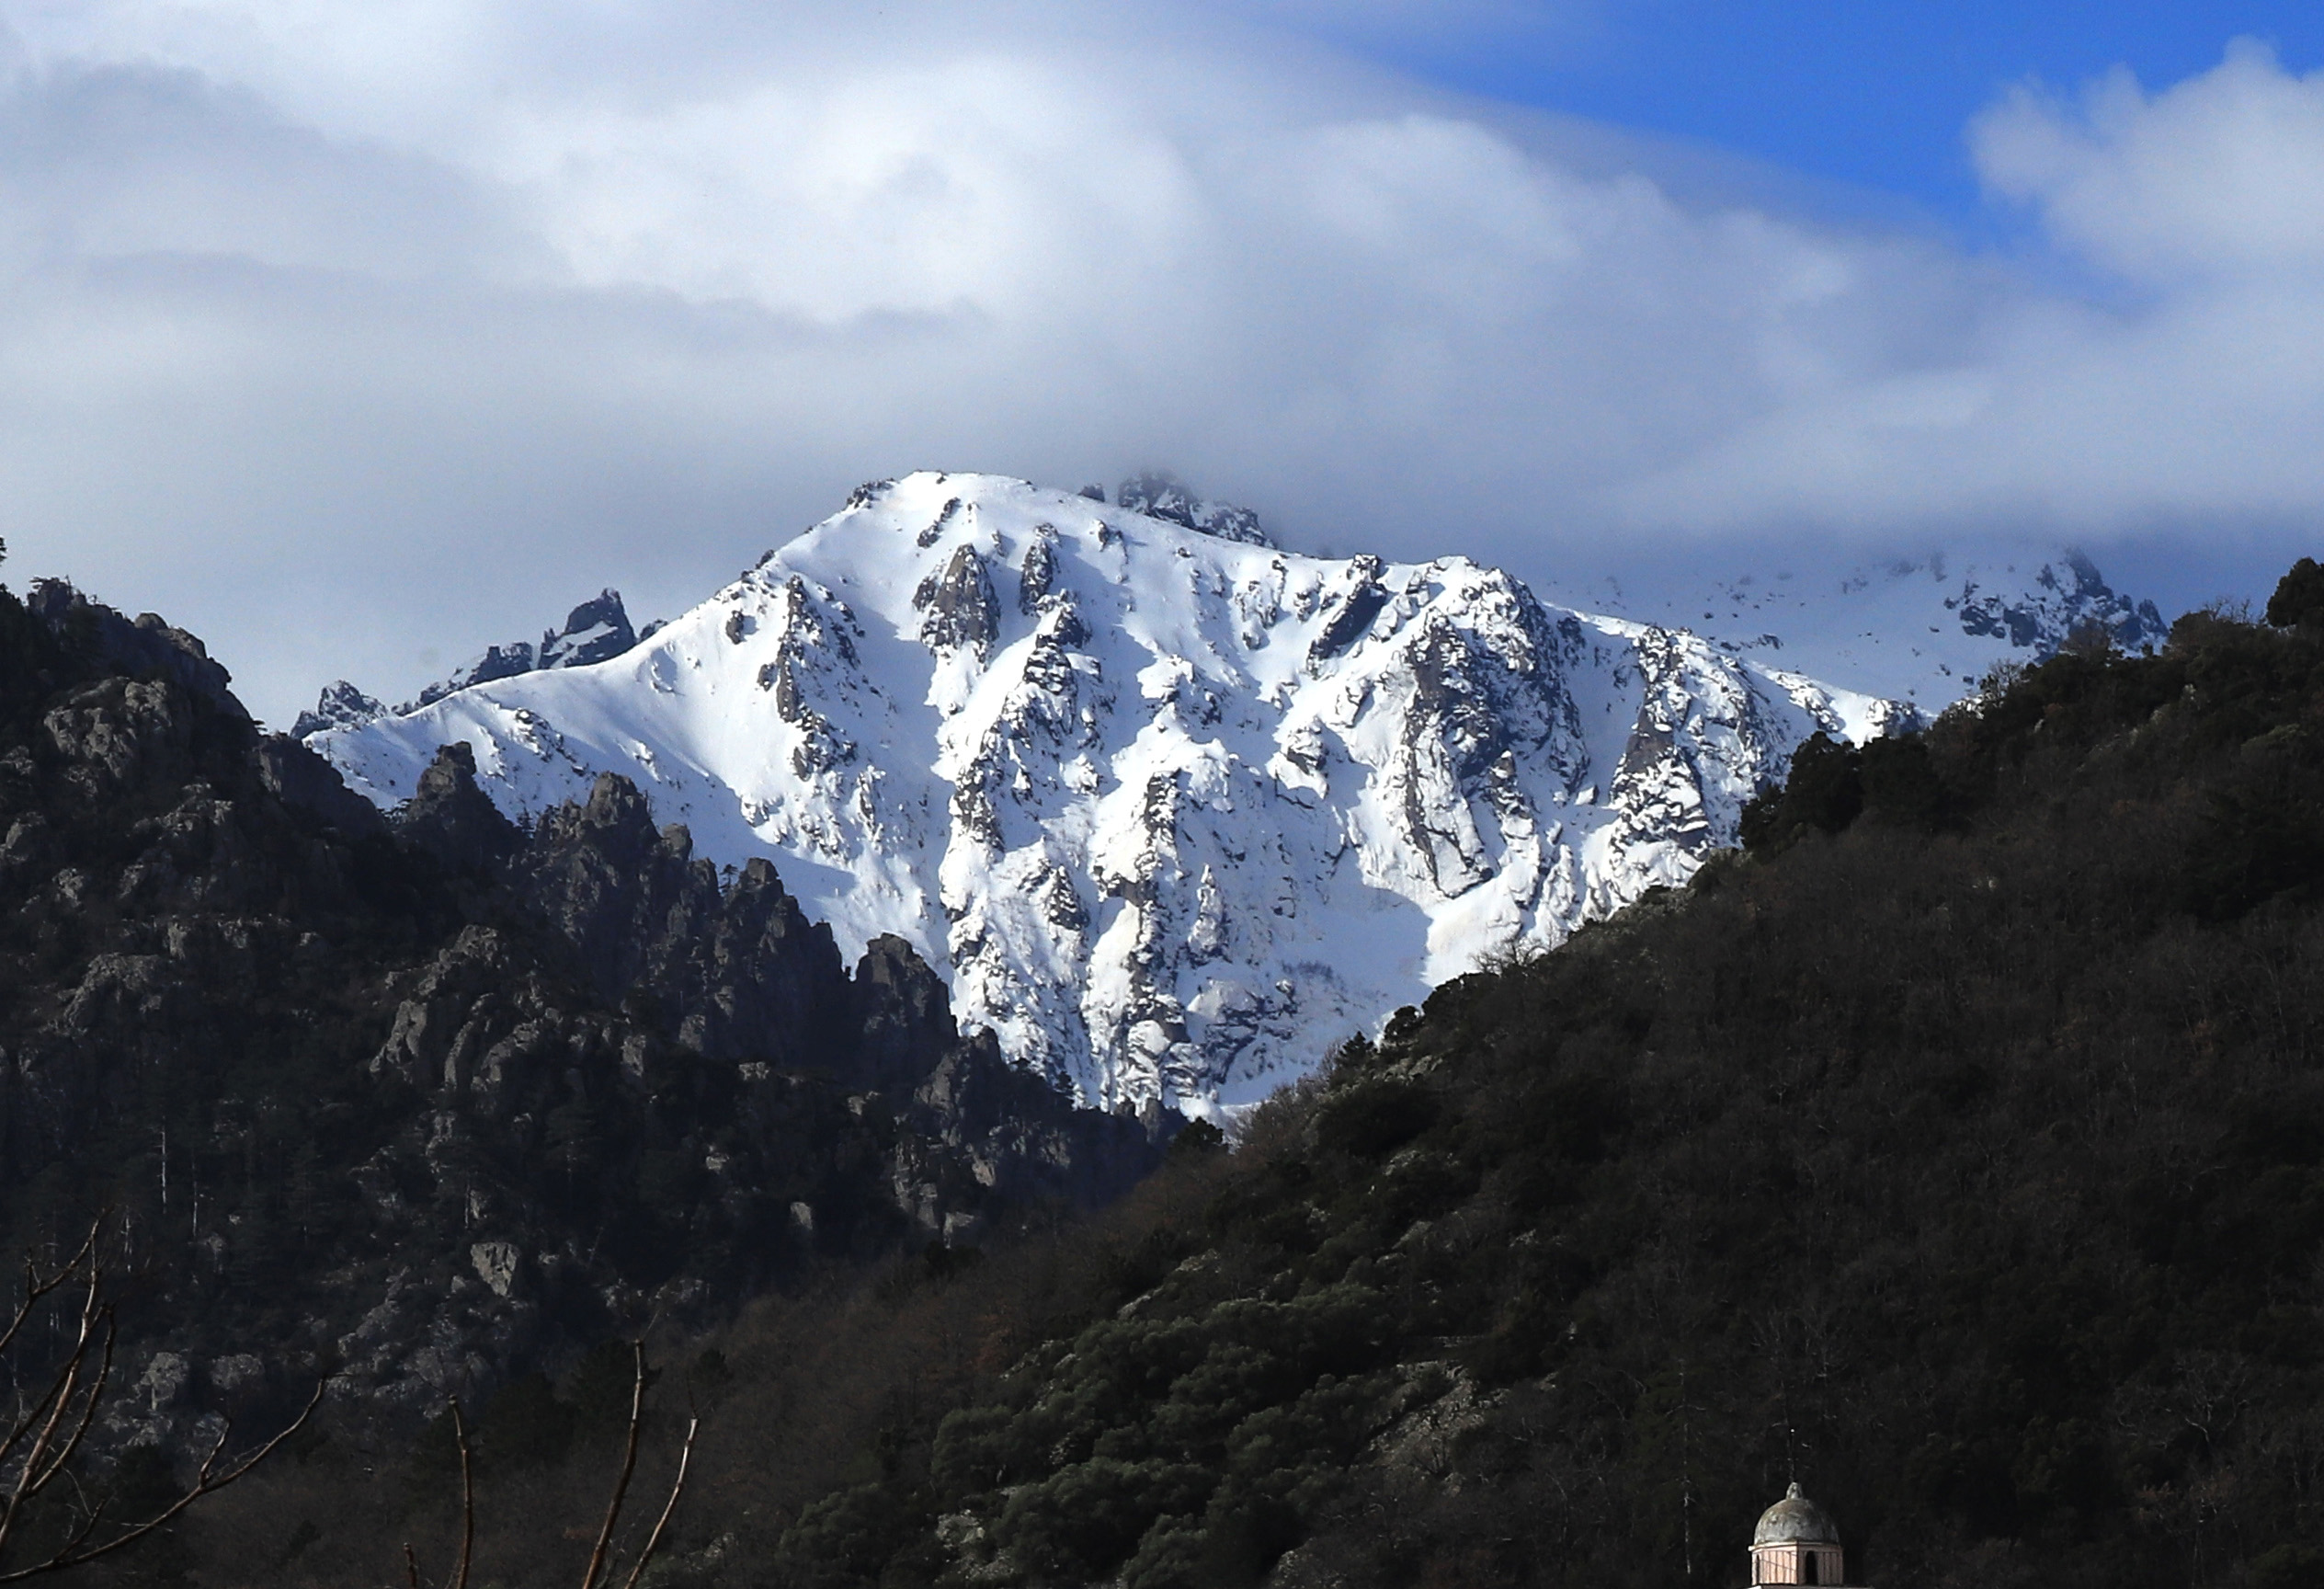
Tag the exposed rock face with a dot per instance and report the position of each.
(1166, 497)
(1353, 609)
(148, 645)
(1172, 812)
(597, 631)
(341, 706)
(903, 1013)
(497, 662)
(1922, 630)
(418, 1103)
(2068, 595)
(740, 969)
(453, 820)
(959, 606)
(304, 782)
(116, 731)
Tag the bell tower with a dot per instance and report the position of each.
(1796, 1543)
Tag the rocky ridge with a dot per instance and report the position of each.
(1174, 810)
(1924, 630)
(595, 631)
(416, 1106)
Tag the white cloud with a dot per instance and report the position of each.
(441, 313)
(2221, 175)
(2189, 393)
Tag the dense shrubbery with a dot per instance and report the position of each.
(1960, 1148)
(368, 1106)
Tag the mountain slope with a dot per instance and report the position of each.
(419, 1105)
(1175, 810)
(1959, 1154)
(1923, 631)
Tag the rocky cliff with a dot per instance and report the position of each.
(418, 1104)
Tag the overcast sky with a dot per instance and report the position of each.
(354, 336)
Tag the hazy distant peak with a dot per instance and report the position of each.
(1161, 495)
(595, 631)
(341, 706)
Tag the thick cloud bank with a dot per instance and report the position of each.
(436, 310)
(2184, 389)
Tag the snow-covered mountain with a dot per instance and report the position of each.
(1177, 810)
(1922, 629)
(597, 631)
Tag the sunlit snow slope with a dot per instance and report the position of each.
(1178, 812)
(1918, 630)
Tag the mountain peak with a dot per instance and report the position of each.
(1161, 495)
(595, 631)
(1172, 810)
(340, 706)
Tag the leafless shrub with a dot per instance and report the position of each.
(601, 1557)
(37, 1478)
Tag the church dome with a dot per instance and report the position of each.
(1794, 1520)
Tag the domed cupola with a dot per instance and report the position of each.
(1796, 1543)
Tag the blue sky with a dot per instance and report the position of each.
(447, 312)
(1868, 92)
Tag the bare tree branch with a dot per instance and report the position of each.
(36, 1288)
(205, 1482)
(467, 1509)
(88, 1404)
(600, 1556)
(628, 1466)
(42, 1415)
(677, 1488)
(43, 1440)
(467, 1501)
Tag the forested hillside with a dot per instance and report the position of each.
(416, 1108)
(1959, 1149)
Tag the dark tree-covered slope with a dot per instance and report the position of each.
(1959, 1150)
(418, 1105)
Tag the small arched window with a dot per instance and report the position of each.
(1807, 1565)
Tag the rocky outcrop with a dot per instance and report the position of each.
(2068, 598)
(304, 781)
(958, 605)
(1162, 495)
(146, 646)
(904, 1014)
(418, 1103)
(738, 968)
(116, 732)
(454, 821)
(597, 631)
(341, 706)
(1352, 610)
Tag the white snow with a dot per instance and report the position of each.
(1174, 813)
(1922, 630)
